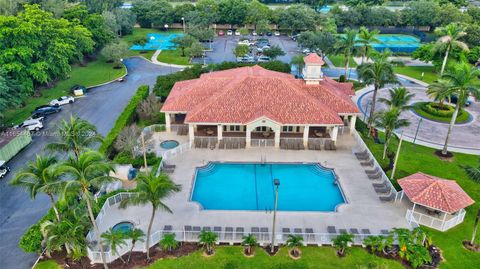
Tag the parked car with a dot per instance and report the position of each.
(262, 49)
(269, 33)
(294, 37)
(4, 169)
(254, 33)
(245, 59)
(78, 90)
(277, 33)
(246, 42)
(263, 59)
(229, 32)
(237, 33)
(262, 42)
(45, 110)
(306, 51)
(454, 98)
(221, 33)
(62, 101)
(32, 125)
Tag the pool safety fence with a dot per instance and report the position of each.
(227, 235)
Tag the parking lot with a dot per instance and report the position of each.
(223, 47)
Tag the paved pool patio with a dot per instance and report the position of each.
(363, 209)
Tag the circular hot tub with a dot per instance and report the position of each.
(169, 144)
(123, 227)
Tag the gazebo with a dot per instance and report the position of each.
(437, 203)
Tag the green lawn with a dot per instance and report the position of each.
(47, 265)
(173, 57)
(416, 72)
(339, 61)
(312, 257)
(461, 118)
(418, 158)
(95, 72)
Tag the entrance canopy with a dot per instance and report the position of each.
(433, 192)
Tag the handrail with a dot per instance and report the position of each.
(432, 222)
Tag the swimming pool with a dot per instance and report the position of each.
(249, 186)
(158, 42)
(124, 227)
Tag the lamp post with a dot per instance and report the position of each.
(416, 132)
(276, 182)
(183, 24)
(166, 27)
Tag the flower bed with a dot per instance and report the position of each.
(434, 112)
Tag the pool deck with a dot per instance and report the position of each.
(363, 210)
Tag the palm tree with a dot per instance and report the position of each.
(152, 189)
(472, 172)
(136, 235)
(169, 242)
(75, 135)
(462, 81)
(475, 227)
(297, 60)
(438, 91)
(342, 241)
(39, 176)
(399, 98)
(346, 45)
(89, 171)
(378, 243)
(114, 239)
(378, 73)
(208, 239)
(389, 120)
(366, 38)
(449, 39)
(294, 242)
(249, 242)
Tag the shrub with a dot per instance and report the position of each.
(341, 78)
(165, 83)
(434, 109)
(31, 241)
(125, 158)
(126, 117)
(276, 65)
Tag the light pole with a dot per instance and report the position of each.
(416, 132)
(183, 24)
(166, 27)
(396, 156)
(276, 182)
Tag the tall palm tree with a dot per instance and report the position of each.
(346, 46)
(136, 235)
(399, 98)
(152, 189)
(39, 176)
(76, 135)
(115, 239)
(294, 242)
(390, 120)
(472, 172)
(297, 60)
(378, 73)
(249, 242)
(367, 38)
(438, 91)
(450, 38)
(208, 239)
(89, 171)
(462, 81)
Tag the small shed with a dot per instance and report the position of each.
(437, 203)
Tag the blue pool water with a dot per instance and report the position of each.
(169, 144)
(249, 186)
(158, 41)
(124, 227)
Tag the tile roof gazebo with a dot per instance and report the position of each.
(439, 202)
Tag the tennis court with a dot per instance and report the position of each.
(397, 43)
(158, 42)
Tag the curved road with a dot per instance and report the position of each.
(101, 106)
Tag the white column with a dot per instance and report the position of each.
(191, 133)
(220, 132)
(353, 119)
(248, 137)
(306, 130)
(277, 136)
(334, 133)
(168, 124)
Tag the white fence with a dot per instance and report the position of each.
(173, 153)
(224, 237)
(417, 218)
(363, 147)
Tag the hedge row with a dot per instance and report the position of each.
(137, 162)
(165, 83)
(433, 109)
(126, 117)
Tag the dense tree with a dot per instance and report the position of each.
(195, 50)
(207, 11)
(11, 7)
(273, 52)
(232, 11)
(183, 42)
(157, 12)
(125, 20)
(201, 34)
(421, 13)
(114, 52)
(298, 17)
(98, 6)
(316, 4)
(181, 11)
(36, 48)
(472, 37)
(256, 12)
(11, 92)
(241, 50)
(353, 3)
(111, 22)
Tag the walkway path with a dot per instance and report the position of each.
(464, 137)
(155, 61)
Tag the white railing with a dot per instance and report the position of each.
(263, 238)
(362, 146)
(433, 222)
(262, 142)
(172, 153)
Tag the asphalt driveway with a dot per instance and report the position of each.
(101, 106)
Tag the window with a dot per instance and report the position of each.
(291, 129)
(262, 129)
(235, 128)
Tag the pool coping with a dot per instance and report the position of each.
(336, 182)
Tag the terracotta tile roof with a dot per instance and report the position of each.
(445, 195)
(313, 58)
(244, 94)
